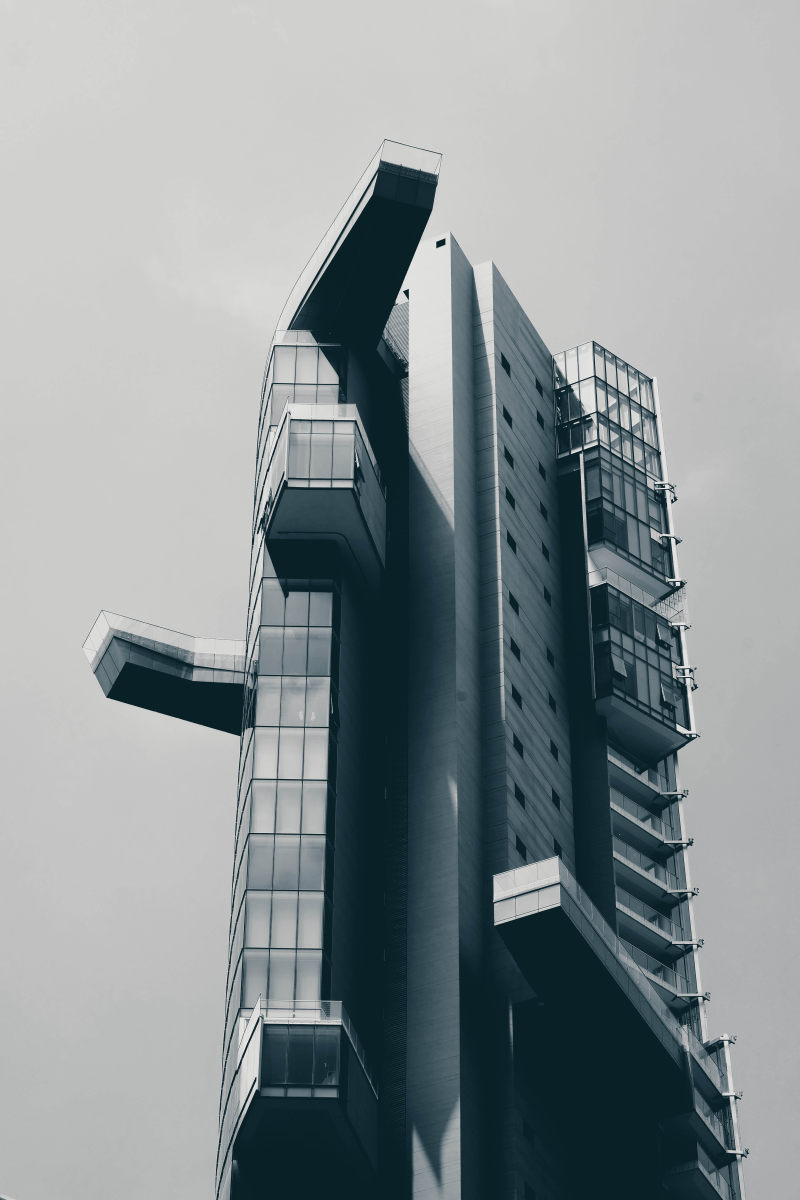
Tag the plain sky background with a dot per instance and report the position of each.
(167, 168)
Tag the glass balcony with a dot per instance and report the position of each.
(635, 661)
(699, 1180)
(632, 868)
(323, 483)
(644, 925)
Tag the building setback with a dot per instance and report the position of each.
(463, 961)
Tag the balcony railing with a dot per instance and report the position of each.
(667, 879)
(668, 929)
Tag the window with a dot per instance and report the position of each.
(551, 700)
(554, 749)
(514, 603)
(551, 658)
(505, 364)
(515, 650)
(554, 796)
(539, 417)
(441, 242)
(542, 471)
(543, 510)
(548, 599)
(509, 457)
(545, 552)
(539, 388)
(518, 746)
(511, 541)
(507, 417)
(618, 665)
(510, 498)
(519, 795)
(556, 848)
(516, 696)
(522, 849)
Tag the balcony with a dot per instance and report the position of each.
(635, 664)
(640, 923)
(699, 1180)
(323, 484)
(302, 1080)
(652, 879)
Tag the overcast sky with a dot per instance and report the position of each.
(167, 167)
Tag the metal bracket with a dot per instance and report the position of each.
(671, 537)
(664, 487)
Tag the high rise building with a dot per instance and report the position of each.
(463, 961)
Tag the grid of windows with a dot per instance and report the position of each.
(623, 508)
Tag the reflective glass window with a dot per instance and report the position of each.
(312, 863)
(309, 972)
(272, 603)
(293, 700)
(274, 1055)
(309, 924)
(301, 1049)
(287, 816)
(317, 700)
(259, 862)
(329, 361)
(326, 1055)
(299, 449)
(262, 819)
(315, 762)
(265, 758)
(254, 982)
(321, 608)
(284, 919)
(268, 700)
(306, 368)
(321, 450)
(343, 450)
(319, 652)
(283, 359)
(296, 607)
(585, 361)
(270, 650)
(287, 855)
(257, 905)
(294, 651)
(290, 758)
(281, 976)
(315, 804)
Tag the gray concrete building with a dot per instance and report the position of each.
(463, 961)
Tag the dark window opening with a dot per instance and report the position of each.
(545, 552)
(542, 471)
(509, 457)
(507, 417)
(539, 419)
(518, 746)
(554, 749)
(554, 796)
(516, 696)
(551, 658)
(510, 498)
(519, 795)
(539, 388)
(543, 509)
(505, 364)
(551, 700)
(515, 650)
(548, 599)
(522, 849)
(511, 541)
(514, 602)
(441, 242)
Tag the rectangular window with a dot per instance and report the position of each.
(510, 498)
(554, 796)
(516, 696)
(518, 746)
(542, 471)
(515, 650)
(539, 388)
(547, 596)
(556, 848)
(551, 700)
(522, 849)
(509, 420)
(509, 457)
(545, 552)
(441, 242)
(514, 602)
(519, 795)
(512, 543)
(543, 510)
(539, 418)
(554, 749)
(551, 658)
(505, 364)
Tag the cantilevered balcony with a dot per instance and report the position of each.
(699, 1179)
(323, 483)
(302, 1079)
(635, 669)
(643, 924)
(653, 880)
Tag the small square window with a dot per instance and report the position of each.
(519, 795)
(543, 510)
(513, 602)
(509, 457)
(551, 658)
(554, 749)
(515, 650)
(522, 849)
(505, 364)
(545, 552)
(509, 420)
(516, 696)
(548, 599)
(510, 498)
(554, 796)
(556, 848)
(539, 418)
(518, 746)
(539, 388)
(542, 471)
(512, 542)
(551, 700)
(441, 242)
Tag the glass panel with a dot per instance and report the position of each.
(306, 364)
(262, 819)
(343, 450)
(283, 364)
(326, 1055)
(585, 361)
(321, 450)
(315, 803)
(259, 863)
(329, 360)
(287, 854)
(309, 925)
(622, 376)
(293, 700)
(254, 982)
(312, 863)
(309, 970)
(270, 650)
(290, 759)
(321, 609)
(294, 651)
(265, 759)
(315, 762)
(301, 1052)
(299, 449)
(257, 920)
(572, 366)
(281, 977)
(599, 361)
(268, 700)
(284, 919)
(297, 608)
(317, 700)
(272, 603)
(588, 401)
(287, 819)
(319, 652)
(274, 1055)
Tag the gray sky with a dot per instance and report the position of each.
(166, 170)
